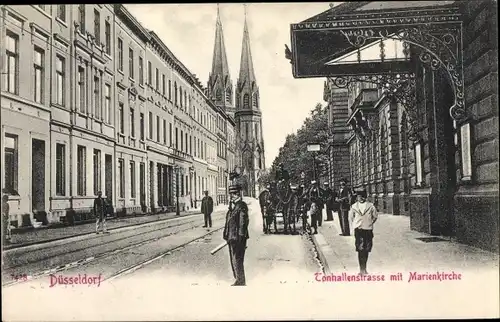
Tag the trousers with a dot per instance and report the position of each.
(344, 221)
(237, 257)
(208, 219)
(100, 222)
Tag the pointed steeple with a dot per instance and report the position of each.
(247, 74)
(220, 87)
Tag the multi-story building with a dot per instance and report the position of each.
(423, 146)
(119, 114)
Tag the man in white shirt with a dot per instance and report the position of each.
(363, 215)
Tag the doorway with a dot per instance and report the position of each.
(38, 176)
(108, 177)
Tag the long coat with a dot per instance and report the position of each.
(207, 205)
(236, 227)
(99, 208)
(345, 195)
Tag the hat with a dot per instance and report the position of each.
(234, 188)
(360, 191)
(313, 182)
(326, 183)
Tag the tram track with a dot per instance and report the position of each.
(87, 260)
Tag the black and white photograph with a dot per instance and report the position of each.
(250, 161)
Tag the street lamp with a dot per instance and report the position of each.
(314, 147)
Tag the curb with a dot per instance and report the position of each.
(9, 247)
(322, 248)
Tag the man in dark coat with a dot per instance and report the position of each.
(344, 197)
(282, 174)
(207, 207)
(315, 196)
(236, 233)
(100, 213)
(329, 201)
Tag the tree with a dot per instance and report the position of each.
(294, 155)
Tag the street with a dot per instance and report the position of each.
(176, 250)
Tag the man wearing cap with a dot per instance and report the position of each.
(328, 199)
(207, 207)
(236, 233)
(100, 213)
(344, 197)
(315, 197)
(363, 215)
(282, 174)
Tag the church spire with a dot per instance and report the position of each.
(247, 74)
(219, 81)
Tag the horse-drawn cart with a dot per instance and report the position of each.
(280, 201)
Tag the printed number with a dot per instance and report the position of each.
(22, 277)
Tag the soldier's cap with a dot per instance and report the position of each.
(313, 182)
(234, 188)
(325, 183)
(302, 186)
(293, 187)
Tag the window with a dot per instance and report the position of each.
(97, 98)
(131, 62)
(121, 119)
(180, 95)
(60, 169)
(141, 71)
(150, 126)
(12, 63)
(246, 101)
(255, 102)
(81, 168)
(60, 77)
(142, 126)
(97, 27)
(228, 96)
(218, 94)
(81, 90)
(97, 171)
(163, 84)
(182, 140)
(169, 90)
(157, 128)
(107, 35)
(150, 74)
(170, 133)
(38, 73)
(165, 132)
(61, 12)
(107, 103)
(157, 80)
(120, 54)
(190, 145)
(81, 17)
(175, 93)
(185, 100)
(176, 138)
(132, 123)
(132, 179)
(11, 163)
(186, 142)
(121, 178)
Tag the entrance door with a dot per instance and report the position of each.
(38, 175)
(108, 176)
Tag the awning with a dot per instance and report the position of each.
(356, 38)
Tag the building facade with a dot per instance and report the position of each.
(423, 123)
(104, 106)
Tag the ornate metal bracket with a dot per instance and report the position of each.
(440, 48)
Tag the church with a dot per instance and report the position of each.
(244, 107)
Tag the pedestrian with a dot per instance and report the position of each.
(328, 200)
(315, 208)
(344, 198)
(207, 207)
(236, 234)
(100, 213)
(363, 215)
(6, 232)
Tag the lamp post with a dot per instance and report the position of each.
(314, 147)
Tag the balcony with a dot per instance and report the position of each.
(363, 111)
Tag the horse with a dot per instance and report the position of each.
(267, 210)
(288, 203)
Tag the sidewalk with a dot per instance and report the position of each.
(48, 234)
(396, 249)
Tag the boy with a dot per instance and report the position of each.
(363, 215)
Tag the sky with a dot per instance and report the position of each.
(189, 32)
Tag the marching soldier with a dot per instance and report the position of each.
(236, 234)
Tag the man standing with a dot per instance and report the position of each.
(363, 216)
(207, 207)
(315, 197)
(328, 199)
(282, 174)
(344, 199)
(100, 213)
(6, 233)
(236, 234)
